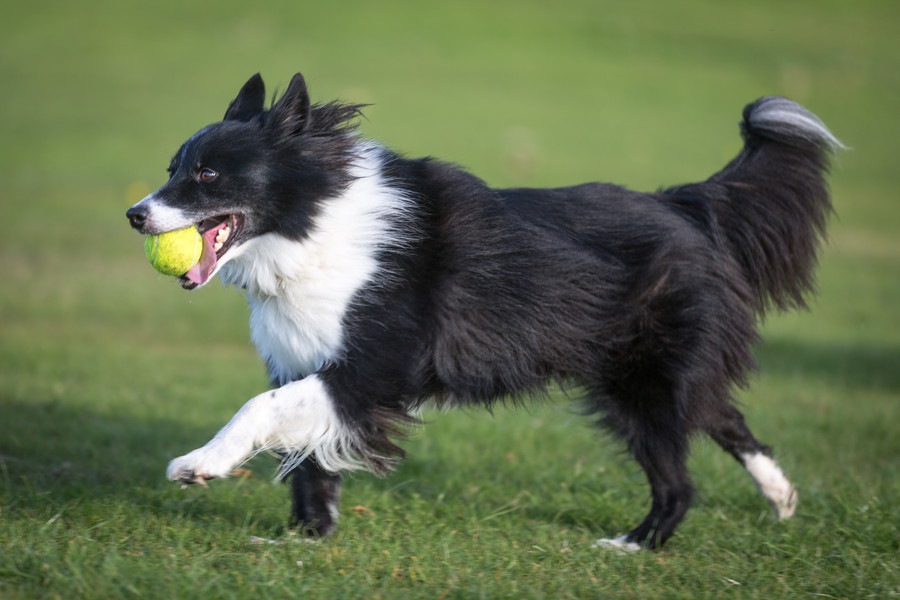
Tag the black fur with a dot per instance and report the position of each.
(648, 302)
(316, 495)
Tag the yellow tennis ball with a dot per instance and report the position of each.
(174, 252)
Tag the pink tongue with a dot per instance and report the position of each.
(200, 272)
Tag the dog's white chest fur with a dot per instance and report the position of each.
(299, 291)
(299, 296)
(300, 329)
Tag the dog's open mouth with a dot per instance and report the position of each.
(219, 235)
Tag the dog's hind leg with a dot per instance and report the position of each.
(316, 494)
(730, 431)
(657, 437)
(662, 454)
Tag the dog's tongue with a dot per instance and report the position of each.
(200, 272)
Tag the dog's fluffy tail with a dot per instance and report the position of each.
(771, 203)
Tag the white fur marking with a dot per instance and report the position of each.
(291, 538)
(162, 217)
(299, 291)
(620, 543)
(772, 483)
(298, 418)
(775, 110)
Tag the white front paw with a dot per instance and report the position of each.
(198, 467)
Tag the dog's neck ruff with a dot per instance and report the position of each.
(299, 291)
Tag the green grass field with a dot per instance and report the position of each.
(107, 370)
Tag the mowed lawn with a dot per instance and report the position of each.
(108, 370)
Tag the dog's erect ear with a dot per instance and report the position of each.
(249, 101)
(291, 112)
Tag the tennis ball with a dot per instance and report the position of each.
(174, 252)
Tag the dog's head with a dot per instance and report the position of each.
(257, 171)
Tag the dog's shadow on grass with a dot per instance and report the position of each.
(47, 444)
(53, 454)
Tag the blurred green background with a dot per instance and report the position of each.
(108, 369)
(97, 96)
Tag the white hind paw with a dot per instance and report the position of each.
(620, 544)
(786, 504)
(772, 483)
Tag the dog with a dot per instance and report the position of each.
(378, 284)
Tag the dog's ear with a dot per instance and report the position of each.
(249, 101)
(291, 112)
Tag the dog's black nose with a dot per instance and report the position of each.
(137, 216)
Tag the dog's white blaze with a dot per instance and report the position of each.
(298, 417)
(161, 216)
(299, 290)
(772, 483)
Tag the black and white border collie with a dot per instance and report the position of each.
(378, 283)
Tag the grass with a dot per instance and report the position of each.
(107, 370)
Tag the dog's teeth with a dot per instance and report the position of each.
(217, 246)
(222, 236)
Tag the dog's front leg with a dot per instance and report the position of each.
(298, 418)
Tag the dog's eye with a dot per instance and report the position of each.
(207, 175)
